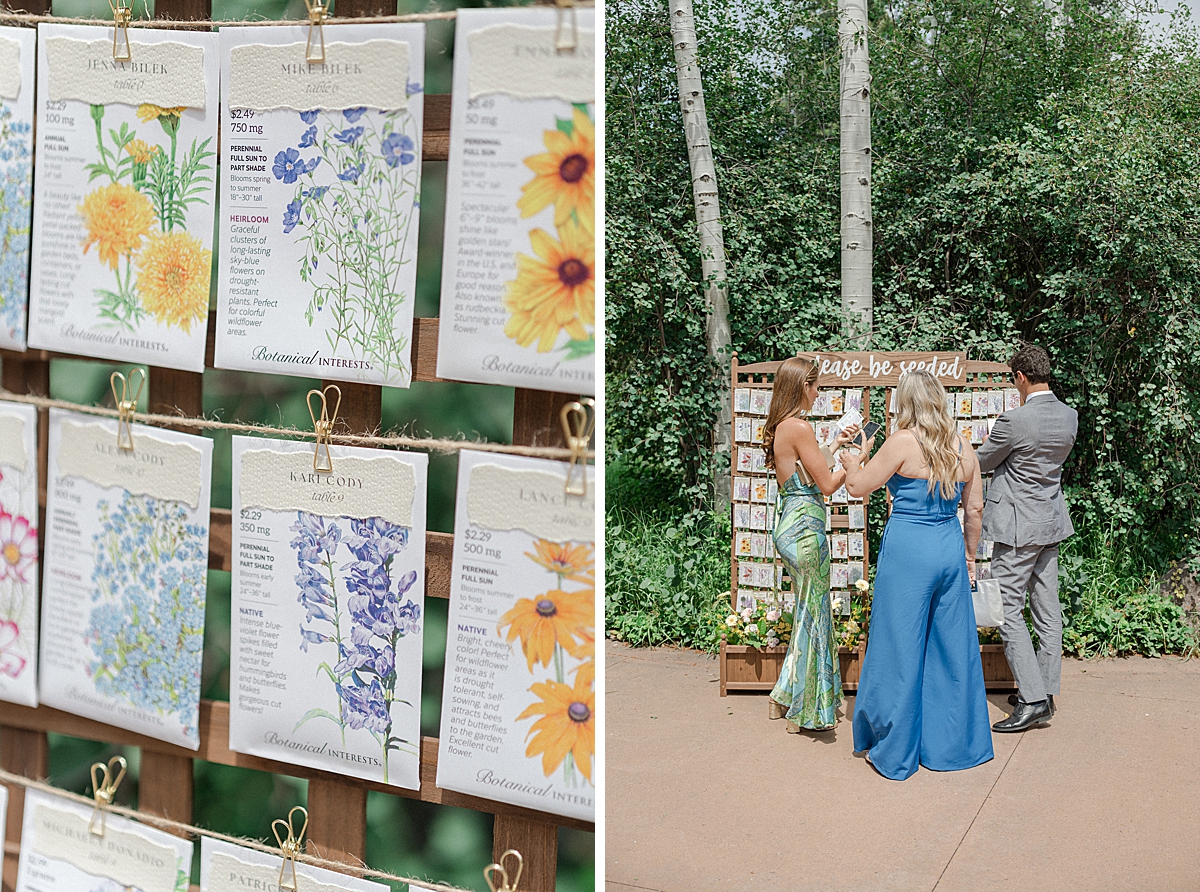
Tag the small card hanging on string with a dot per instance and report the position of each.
(578, 421)
(318, 12)
(104, 789)
(324, 427)
(127, 400)
(497, 871)
(122, 15)
(289, 847)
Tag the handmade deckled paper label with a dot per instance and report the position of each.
(320, 202)
(525, 63)
(170, 75)
(328, 608)
(12, 441)
(373, 74)
(518, 702)
(10, 68)
(225, 867)
(126, 576)
(357, 487)
(155, 467)
(59, 854)
(128, 858)
(503, 498)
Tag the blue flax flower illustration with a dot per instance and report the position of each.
(309, 138)
(353, 172)
(353, 114)
(311, 165)
(413, 88)
(291, 215)
(398, 149)
(315, 192)
(288, 166)
(309, 116)
(349, 136)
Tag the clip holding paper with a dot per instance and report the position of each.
(104, 789)
(498, 870)
(324, 426)
(122, 15)
(126, 405)
(559, 43)
(578, 421)
(290, 847)
(318, 12)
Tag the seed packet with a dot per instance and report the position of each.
(18, 552)
(741, 400)
(742, 430)
(741, 489)
(837, 547)
(854, 545)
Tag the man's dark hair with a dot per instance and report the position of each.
(1033, 362)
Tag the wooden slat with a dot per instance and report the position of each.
(165, 785)
(23, 751)
(535, 417)
(538, 844)
(337, 814)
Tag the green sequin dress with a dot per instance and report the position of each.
(810, 683)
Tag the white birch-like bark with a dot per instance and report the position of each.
(708, 217)
(857, 229)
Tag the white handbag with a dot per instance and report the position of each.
(989, 608)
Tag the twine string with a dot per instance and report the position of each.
(192, 830)
(430, 444)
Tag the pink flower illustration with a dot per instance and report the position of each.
(10, 664)
(18, 547)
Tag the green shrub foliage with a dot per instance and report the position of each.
(1034, 179)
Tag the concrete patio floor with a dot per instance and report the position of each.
(704, 792)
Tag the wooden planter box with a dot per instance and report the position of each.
(745, 668)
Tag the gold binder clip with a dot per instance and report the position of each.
(290, 847)
(104, 789)
(122, 15)
(559, 43)
(324, 426)
(578, 421)
(318, 12)
(126, 404)
(498, 871)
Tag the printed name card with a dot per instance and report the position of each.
(124, 195)
(519, 703)
(225, 867)
(60, 854)
(320, 202)
(17, 58)
(18, 553)
(124, 593)
(328, 608)
(519, 258)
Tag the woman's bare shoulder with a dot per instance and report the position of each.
(794, 425)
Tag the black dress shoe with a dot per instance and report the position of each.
(1014, 699)
(1024, 716)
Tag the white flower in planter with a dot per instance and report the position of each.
(752, 629)
(772, 615)
(731, 620)
(862, 585)
(748, 614)
(772, 641)
(836, 605)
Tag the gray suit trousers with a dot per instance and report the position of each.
(1032, 569)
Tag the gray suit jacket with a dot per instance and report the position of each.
(1026, 449)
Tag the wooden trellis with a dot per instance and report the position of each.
(337, 805)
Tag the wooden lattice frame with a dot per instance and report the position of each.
(337, 805)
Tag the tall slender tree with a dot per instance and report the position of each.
(857, 231)
(708, 217)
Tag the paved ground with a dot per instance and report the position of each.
(706, 793)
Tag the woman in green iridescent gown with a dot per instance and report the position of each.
(809, 689)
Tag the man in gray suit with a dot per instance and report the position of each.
(1025, 516)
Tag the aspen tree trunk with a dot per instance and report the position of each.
(708, 219)
(856, 223)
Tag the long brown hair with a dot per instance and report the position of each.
(921, 408)
(788, 397)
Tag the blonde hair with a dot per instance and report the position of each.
(921, 408)
(789, 397)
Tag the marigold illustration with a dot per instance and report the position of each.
(148, 112)
(554, 292)
(141, 151)
(18, 547)
(173, 274)
(566, 174)
(117, 217)
(572, 562)
(557, 617)
(567, 725)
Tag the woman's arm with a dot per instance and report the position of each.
(798, 435)
(972, 501)
(864, 479)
